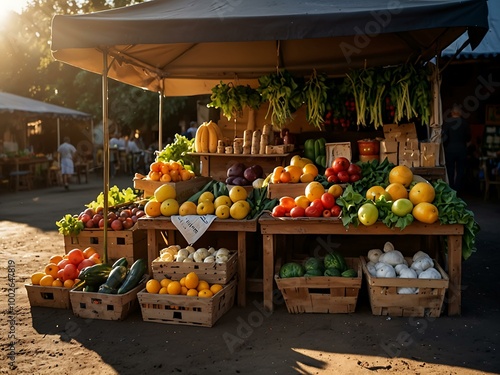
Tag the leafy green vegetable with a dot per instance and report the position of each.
(350, 201)
(70, 225)
(231, 99)
(115, 197)
(179, 151)
(453, 210)
(372, 174)
(259, 202)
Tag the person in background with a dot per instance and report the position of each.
(193, 127)
(134, 154)
(66, 150)
(456, 134)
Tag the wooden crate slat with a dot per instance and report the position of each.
(48, 296)
(322, 294)
(213, 273)
(385, 300)
(186, 310)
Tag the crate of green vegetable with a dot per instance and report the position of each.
(95, 305)
(322, 294)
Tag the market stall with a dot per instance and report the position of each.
(166, 47)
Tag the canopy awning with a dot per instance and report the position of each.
(489, 46)
(10, 103)
(185, 47)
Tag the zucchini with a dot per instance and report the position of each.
(89, 288)
(137, 271)
(114, 280)
(94, 275)
(120, 262)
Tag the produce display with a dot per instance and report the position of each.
(332, 265)
(174, 253)
(114, 279)
(123, 213)
(190, 285)
(65, 270)
(239, 174)
(300, 170)
(389, 262)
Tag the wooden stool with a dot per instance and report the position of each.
(82, 169)
(21, 180)
(54, 177)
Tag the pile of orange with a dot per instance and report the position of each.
(189, 285)
(171, 171)
(294, 174)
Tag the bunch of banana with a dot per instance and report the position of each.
(207, 137)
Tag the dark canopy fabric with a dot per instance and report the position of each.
(489, 46)
(10, 103)
(185, 47)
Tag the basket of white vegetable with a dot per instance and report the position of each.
(400, 286)
(216, 266)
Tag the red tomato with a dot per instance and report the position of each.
(313, 211)
(343, 176)
(327, 213)
(354, 169)
(340, 164)
(329, 172)
(297, 211)
(70, 272)
(333, 178)
(328, 200)
(318, 204)
(336, 210)
(278, 211)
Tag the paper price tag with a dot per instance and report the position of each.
(192, 227)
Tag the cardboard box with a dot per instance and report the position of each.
(409, 144)
(429, 154)
(336, 150)
(392, 157)
(388, 147)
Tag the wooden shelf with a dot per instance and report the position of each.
(214, 154)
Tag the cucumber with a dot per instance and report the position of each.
(94, 275)
(137, 271)
(114, 280)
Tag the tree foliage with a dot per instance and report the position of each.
(28, 68)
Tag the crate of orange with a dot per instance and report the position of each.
(50, 287)
(184, 181)
(189, 301)
(291, 180)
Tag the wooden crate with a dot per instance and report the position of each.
(105, 306)
(213, 273)
(131, 244)
(48, 296)
(322, 294)
(185, 310)
(183, 189)
(385, 300)
(286, 190)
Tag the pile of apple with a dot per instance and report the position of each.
(343, 171)
(118, 219)
(62, 271)
(316, 202)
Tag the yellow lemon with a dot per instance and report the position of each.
(223, 212)
(169, 207)
(205, 207)
(422, 192)
(216, 288)
(237, 193)
(205, 293)
(165, 192)
(397, 191)
(57, 283)
(239, 210)
(222, 200)
(295, 173)
(47, 280)
(314, 190)
(187, 208)
(336, 190)
(302, 201)
(206, 196)
(306, 177)
(36, 277)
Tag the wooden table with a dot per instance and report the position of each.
(274, 226)
(24, 164)
(154, 226)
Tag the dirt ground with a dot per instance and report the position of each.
(245, 340)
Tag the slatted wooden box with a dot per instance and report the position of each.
(183, 189)
(385, 300)
(48, 296)
(105, 306)
(322, 294)
(213, 273)
(186, 310)
(131, 244)
(286, 190)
